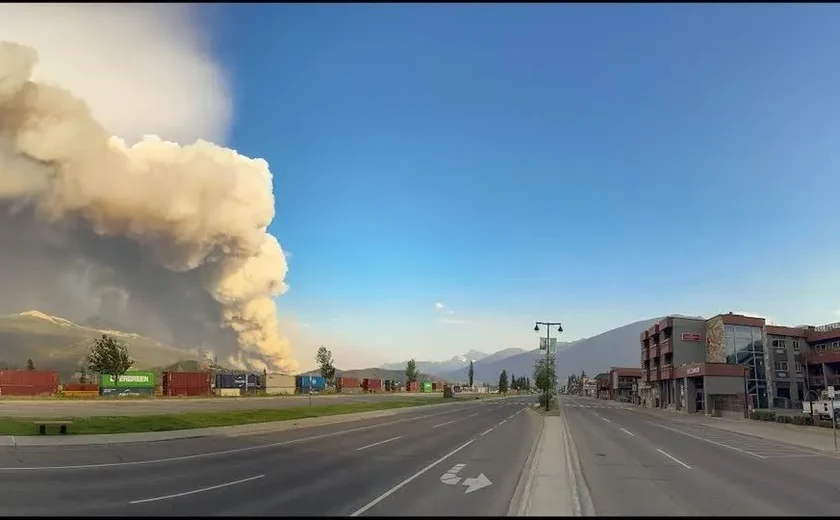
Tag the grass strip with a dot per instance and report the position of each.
(20, 426)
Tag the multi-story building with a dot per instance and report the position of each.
(691, 364)
(624, 384)
(602, 382)
(731, 361)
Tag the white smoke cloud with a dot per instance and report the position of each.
(170, 238)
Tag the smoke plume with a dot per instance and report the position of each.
(169, 240)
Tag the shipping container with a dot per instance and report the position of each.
(42, 378)
(28, 390)
(110, 391)
(131, 379)
(186, 383)
(346, 382)
(279, 381)
(427, 386)
(252, 381)
(372, 385)
(314, 383)
(279, 390)
(436, 387)
(90, 394)
(413, 386)
(80, 387)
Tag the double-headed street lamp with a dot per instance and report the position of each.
(548, 325)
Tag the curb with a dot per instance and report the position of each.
(522, 493)
(238, 430)
(580, 490)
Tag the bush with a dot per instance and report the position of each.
(763, 415)
(784, 419)
(802, 420)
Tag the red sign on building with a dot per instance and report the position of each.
(690, 336)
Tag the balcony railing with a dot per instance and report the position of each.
(666, 371)
(666, 347)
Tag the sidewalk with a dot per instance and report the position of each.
(815, 438)
(553, 485)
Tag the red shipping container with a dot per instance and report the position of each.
(28, 390)
(372, 385)
(28, 378)
(347, 382)
(413, 387)
(81, 387)
(186, 383)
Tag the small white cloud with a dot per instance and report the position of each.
(439, 306)
(450, 312)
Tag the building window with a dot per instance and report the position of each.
(796, 345)
(798, 367)
(781, 366)
(780, 343)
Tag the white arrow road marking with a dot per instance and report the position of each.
(476, 483)
(451, 477)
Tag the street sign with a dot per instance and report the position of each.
(552, 345)
(473, 484)
(830, 392)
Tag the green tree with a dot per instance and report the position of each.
(109, 356)
(30, 365)
(545, 375)
(325, 362)
(411, 371)
(503, 382)
(471, 373)
(513, 381)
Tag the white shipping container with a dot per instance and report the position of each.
(277, 390)
(280, 381)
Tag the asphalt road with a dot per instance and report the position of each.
(635, 463)
(390, 466)
(46, 408)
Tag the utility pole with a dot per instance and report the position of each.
(548, 325)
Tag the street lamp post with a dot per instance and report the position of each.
(548, 325)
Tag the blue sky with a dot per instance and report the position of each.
(593, 165)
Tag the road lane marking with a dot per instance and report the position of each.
(443, 424)
(674, 458)
(472, 415)
(378, 443)
(193, 492)
(628, 433)
(488, 431)
(396, 488)
(503, 422)
(709, 441)
(223, 452)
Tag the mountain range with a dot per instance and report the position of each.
(618, 347)
(54, 343)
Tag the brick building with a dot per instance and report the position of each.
(730, 360)
(623, 384)
(687, 365)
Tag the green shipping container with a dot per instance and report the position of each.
(131, 379)
(427, 386)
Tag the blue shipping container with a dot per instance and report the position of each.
(316, 383)
(238, 381)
